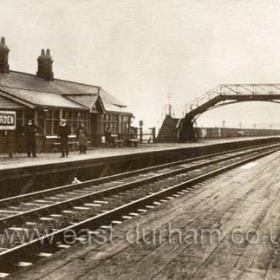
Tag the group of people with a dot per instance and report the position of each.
(31, 130)
(64, 131)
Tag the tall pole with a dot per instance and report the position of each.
(141, 131)
(169, 104)
(11, 144)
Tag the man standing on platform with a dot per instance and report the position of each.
(108, 137)
(30, 131)
(63, 133)
(82, 135)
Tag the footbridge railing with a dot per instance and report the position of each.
(265, 92)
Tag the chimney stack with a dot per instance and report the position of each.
(4, 57)
(45, 62)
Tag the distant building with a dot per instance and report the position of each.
(47, 100)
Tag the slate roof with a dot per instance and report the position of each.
(88, 101)
(36, 91)
(41, 99)
(32, 82)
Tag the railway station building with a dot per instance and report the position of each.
(47, 100)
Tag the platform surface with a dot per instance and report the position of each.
(225, 228)
(21, 160)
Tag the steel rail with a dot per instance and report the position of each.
(77, 200)
(33, 195)
(18, 253)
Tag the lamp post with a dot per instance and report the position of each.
(153, 134)
(141, 131)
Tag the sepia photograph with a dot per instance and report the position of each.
(139, 140)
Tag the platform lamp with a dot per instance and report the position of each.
(129, 130)
(130, 120)
(79, 118)
(42, 124)
(224, 125)
(153, 134)
(42, 116)
(141, 131)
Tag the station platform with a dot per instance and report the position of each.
(21, 160)
(224, 228)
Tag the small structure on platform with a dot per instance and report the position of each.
(47, 100)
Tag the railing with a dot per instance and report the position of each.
(202, 99)
(233, 89)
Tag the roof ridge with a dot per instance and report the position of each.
(80, 94)
(61, 80)
(52, 92)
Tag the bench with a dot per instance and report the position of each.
(128, 142)
(119, 143)
(133, 142)
(54, 143)
(116, 142)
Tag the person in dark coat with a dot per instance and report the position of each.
(63, 133)
(82, 135)
(108, 136)
(30, 131)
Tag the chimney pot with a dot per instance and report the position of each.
(45, 62)
(4, 56)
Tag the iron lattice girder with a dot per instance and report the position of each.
(250, 88)
(232, 92)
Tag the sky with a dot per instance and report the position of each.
(141, 50)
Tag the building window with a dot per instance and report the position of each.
(118, 124)
(52, 122)
(74, 118)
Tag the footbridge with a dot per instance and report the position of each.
(231, 93)
(222, 95)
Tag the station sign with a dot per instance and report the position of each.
(7, 120)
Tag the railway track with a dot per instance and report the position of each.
(100, 203)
